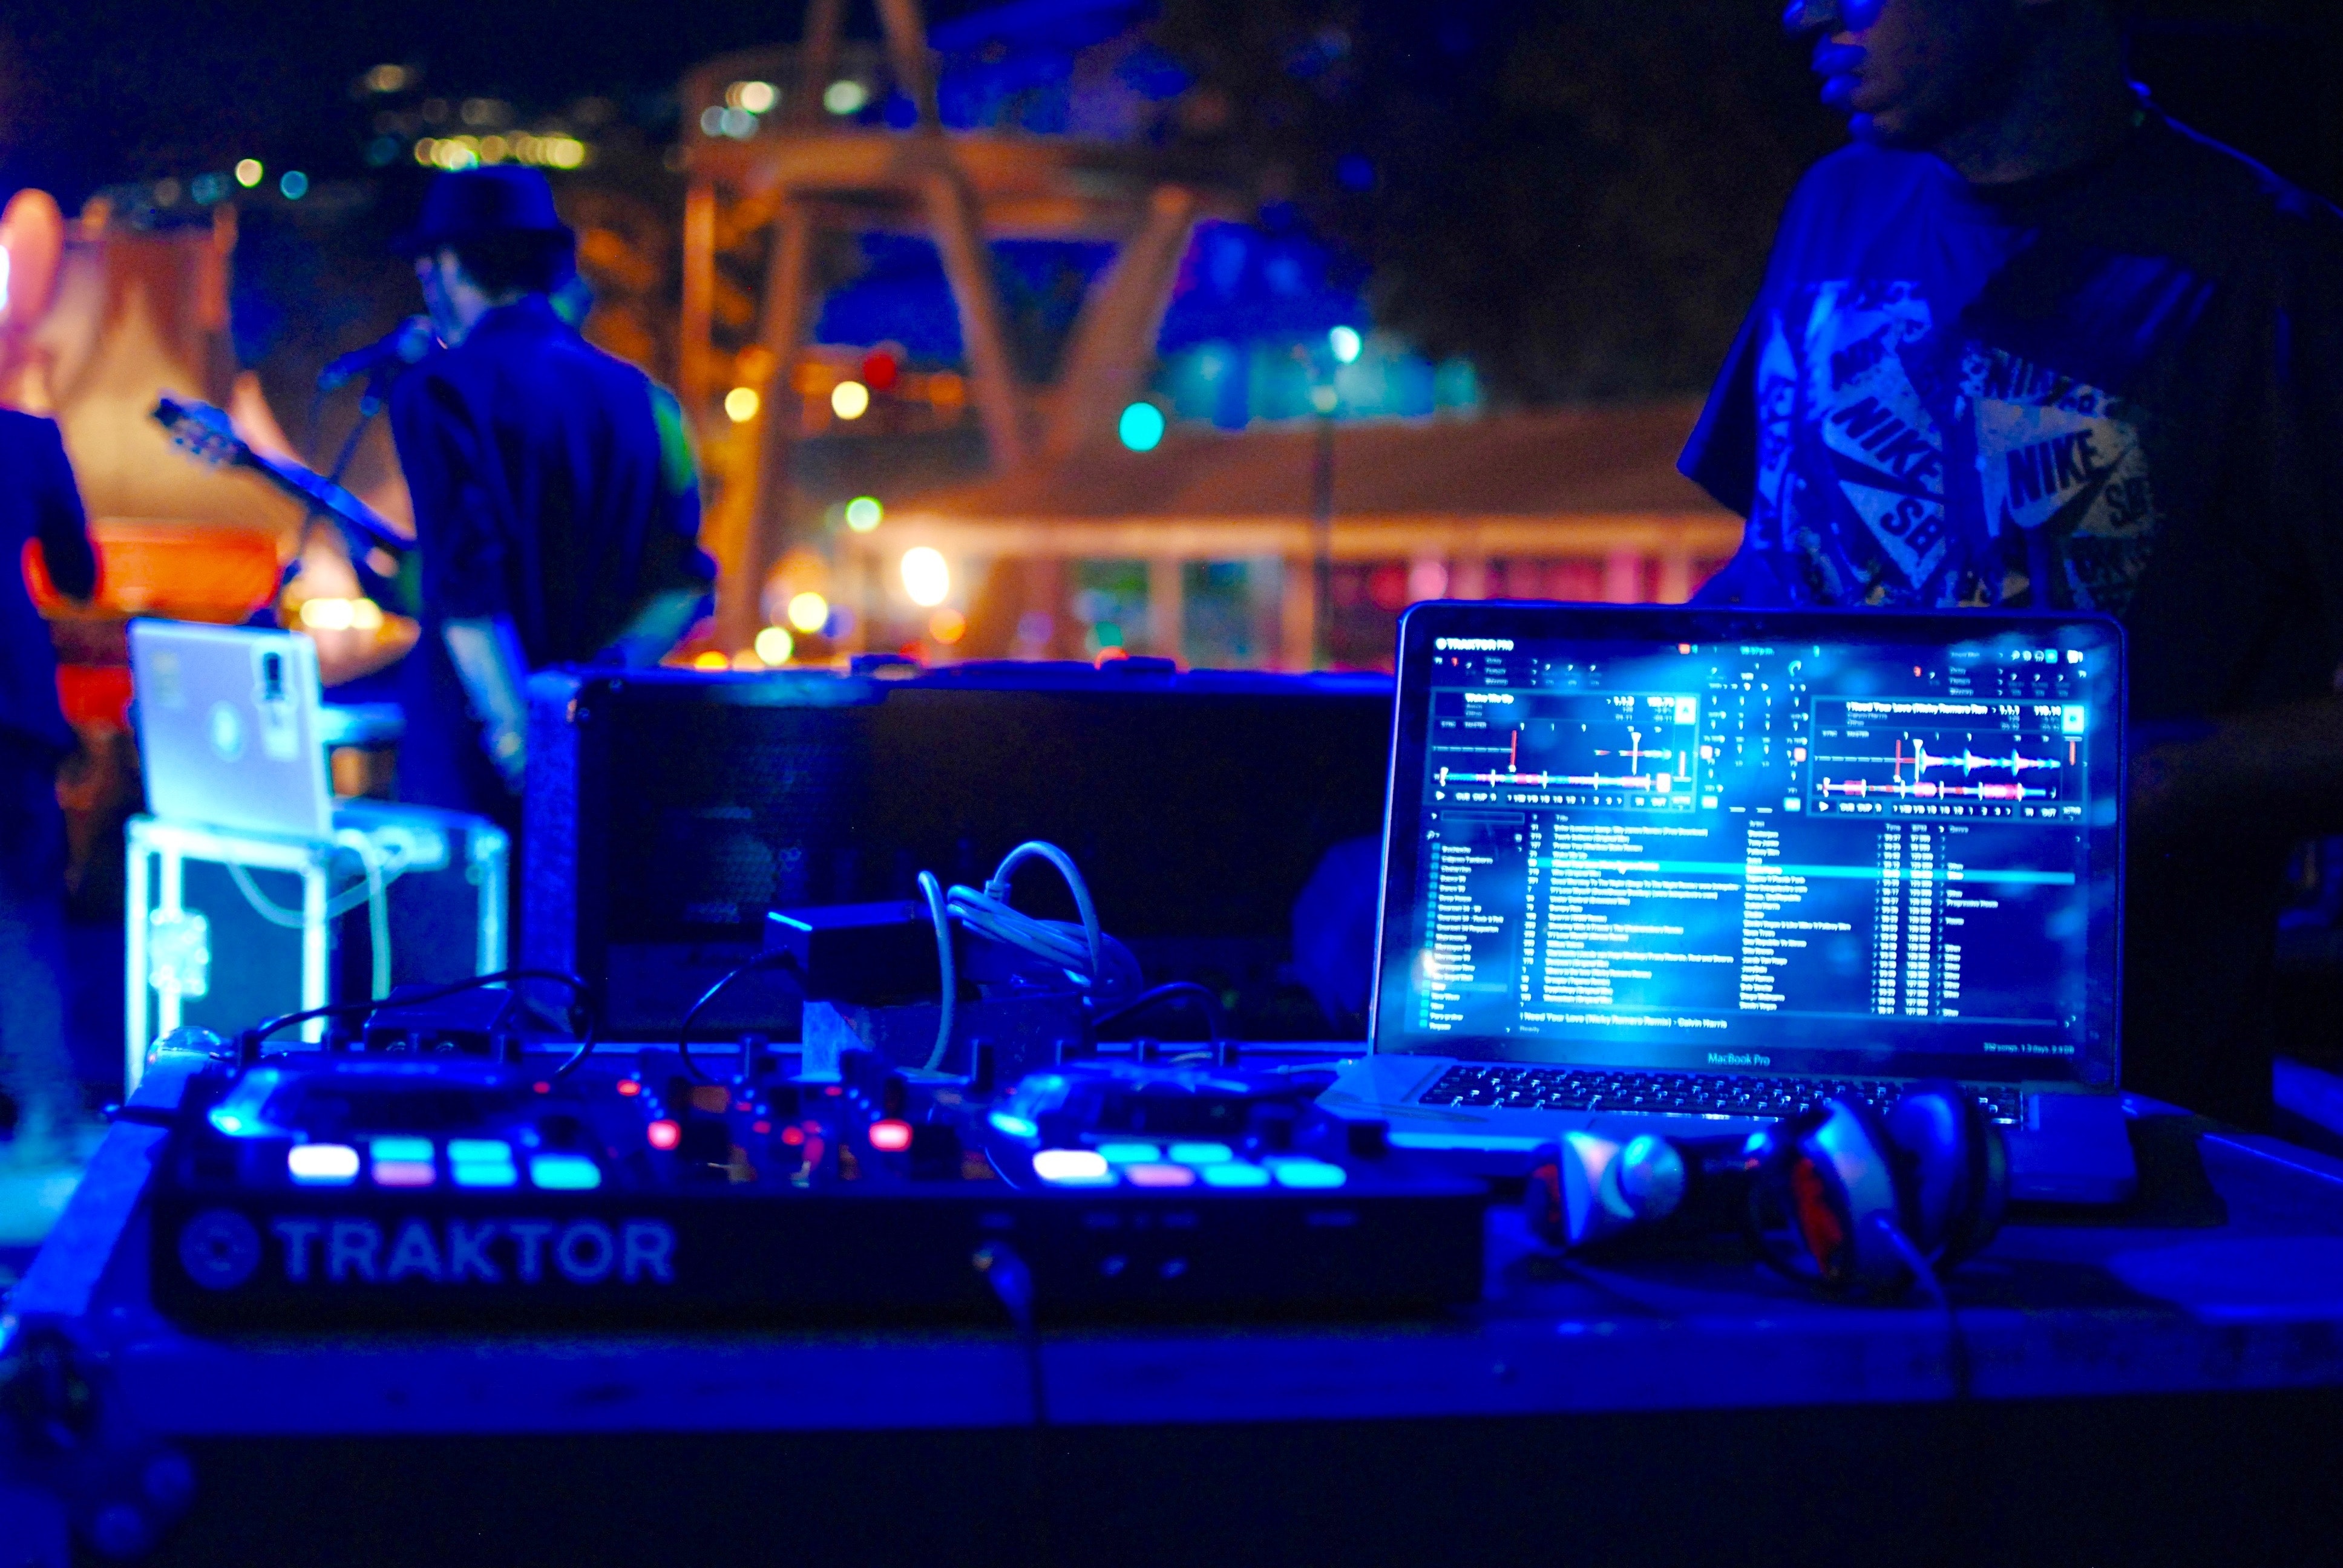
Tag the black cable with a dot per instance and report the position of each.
(1924, 1274)
(776, 958)
(581, 1003)
(1012, 1282)
(1170, 991)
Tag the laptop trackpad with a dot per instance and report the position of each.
(2071, 1149)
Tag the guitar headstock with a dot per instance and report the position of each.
(203, 431)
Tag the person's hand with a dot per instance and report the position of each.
(507, 747)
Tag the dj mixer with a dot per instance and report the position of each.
(374, 1188)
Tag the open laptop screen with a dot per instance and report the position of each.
(1778, 843)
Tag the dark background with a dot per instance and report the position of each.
(1577, 196)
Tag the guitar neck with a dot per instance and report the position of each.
(312, 488)
(207, 433)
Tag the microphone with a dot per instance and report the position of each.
(405, 345)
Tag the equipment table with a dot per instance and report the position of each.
(2111, 1393)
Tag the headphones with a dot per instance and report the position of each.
(1839, 1195)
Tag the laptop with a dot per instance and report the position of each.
(1683, 870)
(229, 727)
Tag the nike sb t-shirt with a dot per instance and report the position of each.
(2114, 389)
(2118, 388)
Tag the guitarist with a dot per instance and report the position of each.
(555, 506)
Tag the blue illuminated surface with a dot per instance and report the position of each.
(322, 1164)
(1014, 1126)
(564, 1172)
(401, 1150)
(1200, 1153)
(1129, 1153)
(482, 1163)
(1234, 1175)
(1073, 1167)
(1303, 1172)
(238, 1113)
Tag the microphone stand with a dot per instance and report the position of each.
(372, 583)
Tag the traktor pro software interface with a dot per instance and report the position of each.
(1755, 856)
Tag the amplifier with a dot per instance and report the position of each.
(668, 810)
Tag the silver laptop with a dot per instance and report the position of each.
(227, 728)
(1678, 870)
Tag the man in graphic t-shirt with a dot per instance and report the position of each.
(2028, 343)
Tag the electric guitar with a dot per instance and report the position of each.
(205, 433)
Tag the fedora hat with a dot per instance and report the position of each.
(464, 204)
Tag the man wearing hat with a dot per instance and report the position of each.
(556, 508)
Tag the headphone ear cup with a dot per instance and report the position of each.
(1878, 1184)
(1773, 1203)
(1956, 1169)
(1828, 1174)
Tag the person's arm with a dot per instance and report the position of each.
(2273, 772)
(677, 573)
(487, 659)
(461, 550)
(60, 523)
(657, 628)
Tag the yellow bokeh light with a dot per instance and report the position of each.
(712, 659)
(774, 645)
(850, 399)
(947, 625)
(740, 403)
(808, 611)
(326, 614)
(248, 171)
(927, 577)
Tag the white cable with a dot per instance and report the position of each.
(937, 912)
(276, 914)
(380, 871)
(987, 914)
(1045, 939)
(1034, 848)
(378, 887)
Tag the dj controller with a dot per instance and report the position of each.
(341, 1189)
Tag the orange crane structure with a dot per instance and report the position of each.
(757, 204)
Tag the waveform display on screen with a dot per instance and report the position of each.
(1593, 741)
(1667, 768)
(2024, 759)
(1920, 760)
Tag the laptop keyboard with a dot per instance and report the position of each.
(1512, 1087)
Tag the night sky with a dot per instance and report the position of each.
(96, 91)
(1575, 195)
